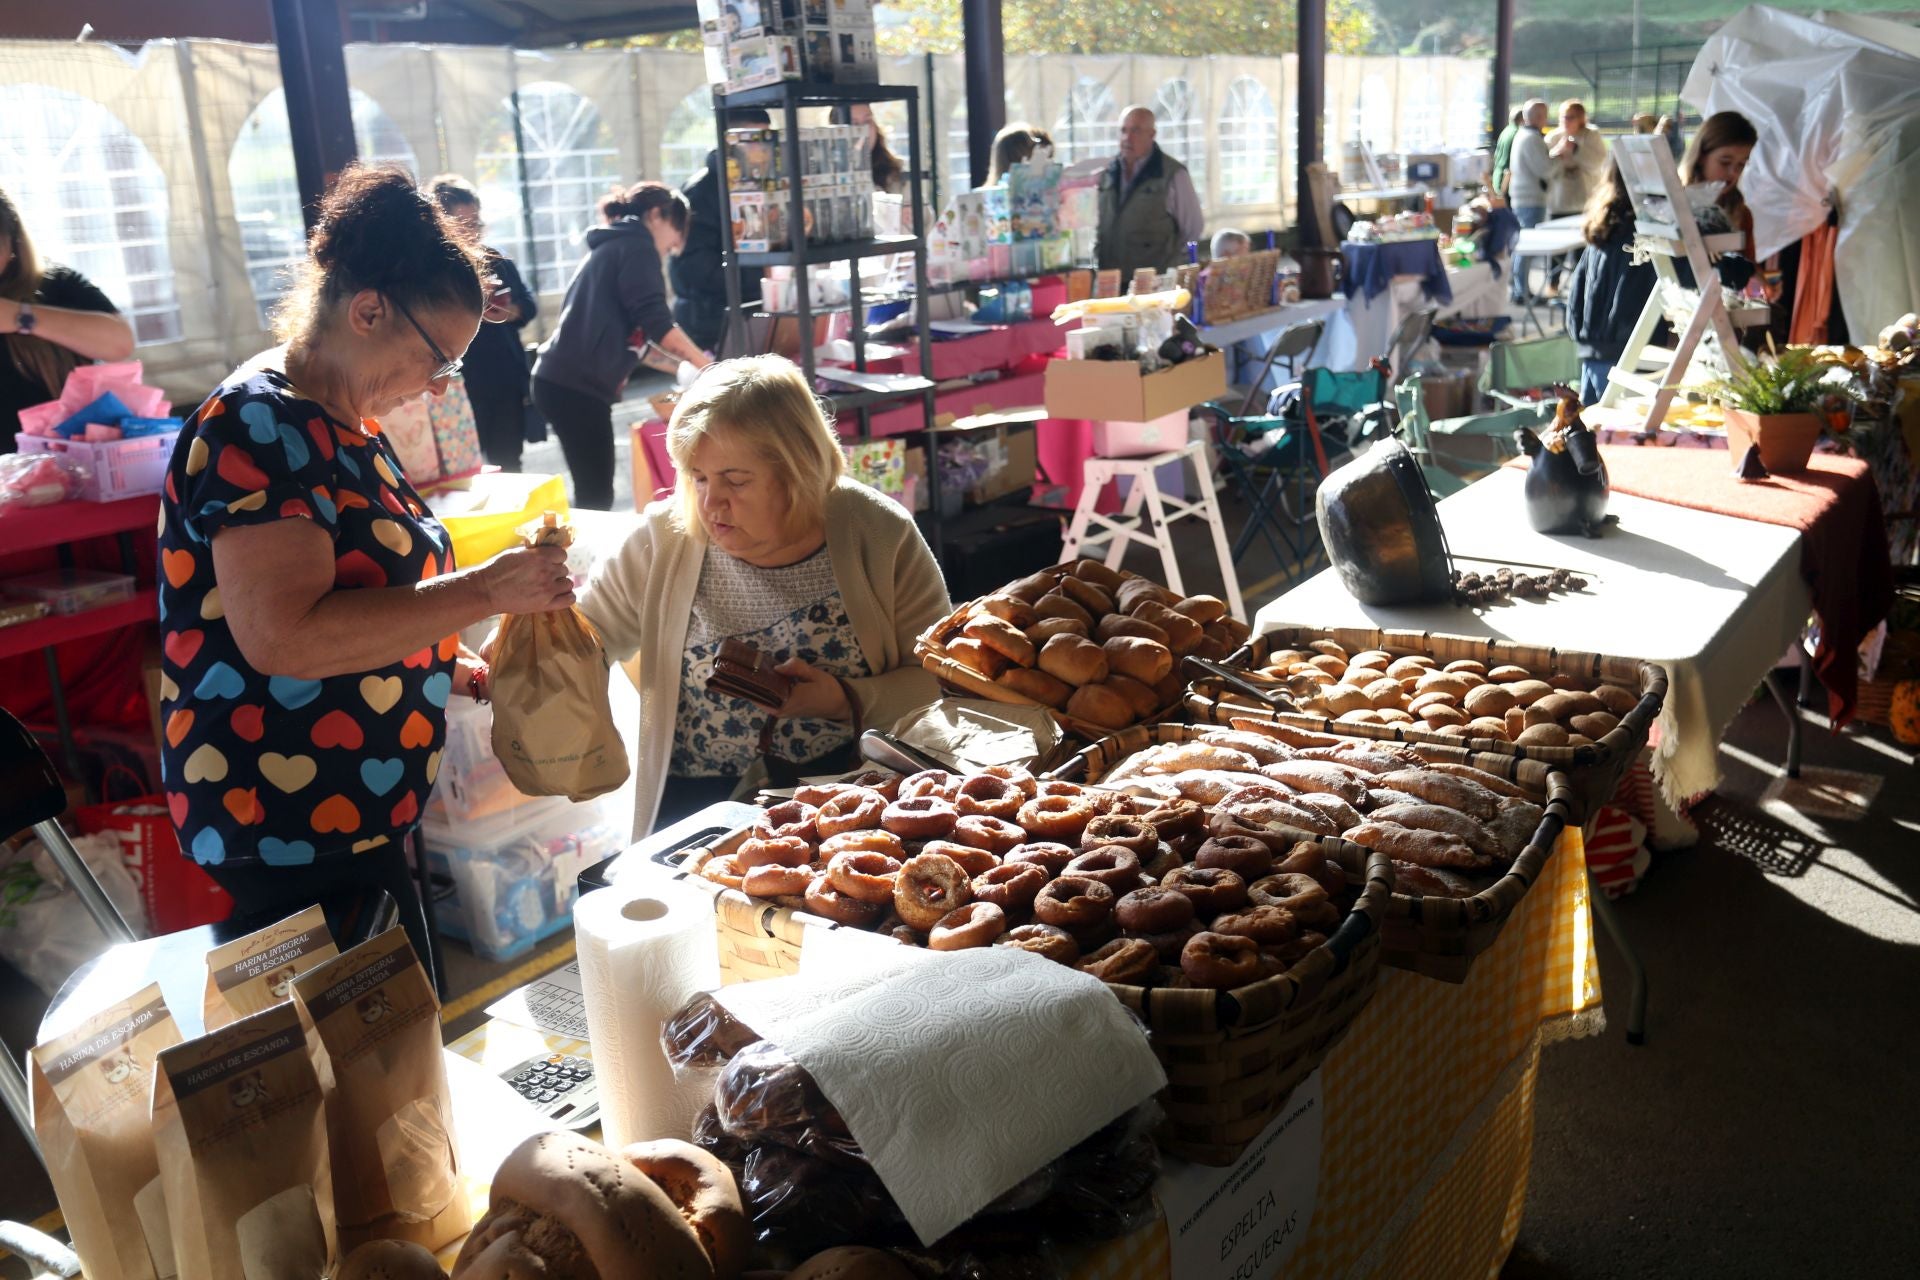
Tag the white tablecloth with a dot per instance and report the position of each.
(1363, 328)
(1715, 599)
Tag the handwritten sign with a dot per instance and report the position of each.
(1244, 1222)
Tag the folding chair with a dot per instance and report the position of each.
(1445, 469)
(1294, 344)
(1532, 364)
(1414, 331)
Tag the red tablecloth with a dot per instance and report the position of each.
(1843, 538)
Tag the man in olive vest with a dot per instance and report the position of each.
(1148, 208)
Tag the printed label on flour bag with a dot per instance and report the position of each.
(1244, 1222)
(254, 973)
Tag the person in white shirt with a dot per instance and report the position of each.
(1579, 156)
(1149, 211)
(1528, 180)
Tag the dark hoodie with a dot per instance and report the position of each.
(617, 289)
(699, 279)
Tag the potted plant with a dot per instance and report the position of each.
(1775, 402)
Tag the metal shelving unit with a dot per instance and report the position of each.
(784, 102)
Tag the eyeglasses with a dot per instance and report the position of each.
(449, 366)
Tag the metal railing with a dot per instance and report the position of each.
(1621, 83)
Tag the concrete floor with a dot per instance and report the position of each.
(1762, 1130)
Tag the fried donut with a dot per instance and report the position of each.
(1168, 945)
(1021, 780)
(1124, 831)
(995, 835)
(1221, 961)
(723, 871)
(1213, 889)
(975, 925)
(920, 818)
(904, 934)
(1292, 953)
(1267, 926)
(1164, 859)
(1299, 894)
(864, 877)
(1056, 787)
(818, 793)
(857, 809)
(863, 842)
(790, 818)
(972, 860)
(1047, 940)
(928, 887)
(928, 782)
(1245, 856)
(772, 880)
(1129, 961)
(1307, 858)
(1057, 817)
(986, 794)
(1176, 818)
(782, 851)
(1073, 903)
(1011, 886)
(1002, 637)
(884, 781)
(1111, 865)
(825, 900)
(1155, 910)
(1050, 857)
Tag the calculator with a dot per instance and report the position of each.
(560, 1086)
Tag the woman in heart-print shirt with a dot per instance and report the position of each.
(309, 604)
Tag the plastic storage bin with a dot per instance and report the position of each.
(116, 469)
(66, 591)
(514, 882)
(472, 785)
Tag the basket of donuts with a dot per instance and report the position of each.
(1465, 843)
(1100, 647)
(1584, 714)
(1245, 956)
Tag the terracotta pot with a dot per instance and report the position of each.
(1786, 440)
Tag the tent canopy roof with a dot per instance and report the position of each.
(528, 24)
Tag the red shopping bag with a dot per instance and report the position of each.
(177, 892)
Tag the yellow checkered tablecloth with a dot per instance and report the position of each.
(1429, 1104)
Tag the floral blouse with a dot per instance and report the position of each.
(274, 769)
(794, 611)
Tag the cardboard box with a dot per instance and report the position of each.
(1114, 439)
(1116, 391)
(1015, 449)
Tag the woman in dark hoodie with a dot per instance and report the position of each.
(1608, 289)
(620, 287)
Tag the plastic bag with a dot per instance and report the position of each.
(703, 1034)
(45, 930)
(39, 479)
(552, 726)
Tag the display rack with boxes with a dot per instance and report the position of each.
(754, 43)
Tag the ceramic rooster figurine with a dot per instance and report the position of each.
(1567, 484)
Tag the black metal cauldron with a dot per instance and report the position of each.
(1382, 530)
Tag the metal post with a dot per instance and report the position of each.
(526, 188)
(313, 72)
(1502, 92)
(1311, 107)
(985, 42)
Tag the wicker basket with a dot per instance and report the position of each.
(1437, 937)
(1232, 1057)
(931, 649)
(1592, 772)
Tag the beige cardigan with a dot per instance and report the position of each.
(641, 599)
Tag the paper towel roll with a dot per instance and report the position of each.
(645, 949)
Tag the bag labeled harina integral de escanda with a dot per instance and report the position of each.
(552, 726)
(255, 973)
(240, 1126)
(390, 1115)
(91, 1092)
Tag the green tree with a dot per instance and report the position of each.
(1180, 28)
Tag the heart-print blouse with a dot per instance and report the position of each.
(271, 768)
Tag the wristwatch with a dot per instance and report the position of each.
(23, 319)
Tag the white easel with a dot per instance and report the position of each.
(1666, 228)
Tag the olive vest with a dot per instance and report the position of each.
(1135, 229)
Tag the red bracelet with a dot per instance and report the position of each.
(477, 684)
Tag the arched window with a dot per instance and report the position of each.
(1182, 129)
(93, 199)
(1373, 115)
(1088, 124)
(570, 161)
(1249, 145)
(1421, 125)
(688, 137)
(266, 192)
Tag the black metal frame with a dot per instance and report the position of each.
(784, 100)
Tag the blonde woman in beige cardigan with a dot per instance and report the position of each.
(765, 540)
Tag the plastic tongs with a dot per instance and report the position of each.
(889, 752)
(1276, 696)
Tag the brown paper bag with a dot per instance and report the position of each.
(252, 974)
(390, 1115)
(239, 1124)
(552, 727)
(90, 1112)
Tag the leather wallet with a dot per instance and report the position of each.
(742, 671)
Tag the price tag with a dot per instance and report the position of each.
(1244, 1222)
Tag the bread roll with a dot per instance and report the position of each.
(1527, 692)
(1030, 588)
(1509, 674)
(1330, 647)
(1372, 658)
(1229, 631)
(1183, 633)
(1144, 660)
(1466, 664)
(1056, 605)
(1100, 705)
(1542, 735)
(1441, 682)
(1140, 697)
(1047, 628)
(976, 657)
(1412, 667)
(1439, 714)
(1597, 725)
(1121, 624)
(1616, 700)
(1212, 649)
(1093, 571)
(704, 1191)
(1488, 700)
(1385, 692)
(1202, 609)
(1087, 596)
(1342, 698)
(1074, 660)
(1037, 685)
(851, 1262)
(1130, 593)
(1012, 608)
(391, 1260)
(1002, 637)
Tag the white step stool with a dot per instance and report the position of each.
(1121, 530)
